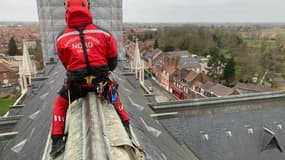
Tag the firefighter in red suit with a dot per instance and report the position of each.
(88, 53)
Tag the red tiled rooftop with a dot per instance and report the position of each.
(4, 67)
(217, 89)
(170, 69)
(221, 90)
(191, 75)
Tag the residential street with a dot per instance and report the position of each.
(160, 94)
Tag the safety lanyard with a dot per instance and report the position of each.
(81, 35)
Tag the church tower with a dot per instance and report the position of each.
(107, 14)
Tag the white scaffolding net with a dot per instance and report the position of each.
(107, 14)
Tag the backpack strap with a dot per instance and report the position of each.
(81, 35)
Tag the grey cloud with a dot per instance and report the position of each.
(204, 11)
(18, 10)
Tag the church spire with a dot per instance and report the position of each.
(137, 59)
(27, 70)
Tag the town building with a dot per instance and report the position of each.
(166, 75)
(8, 77)
(149, 57)
(173, 61)
(211, 89)
(185, 83)
(157, 64)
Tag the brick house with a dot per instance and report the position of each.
(7, 76)
(178, 83)
(211, 89)
(166, 64)
(195, 80)
(190, 63)
(149, 57)
(185, 82)
(182, 59)
(166, 76)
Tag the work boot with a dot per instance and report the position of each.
(58, 146)
(127, 128)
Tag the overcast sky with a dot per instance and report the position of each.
(171, 10)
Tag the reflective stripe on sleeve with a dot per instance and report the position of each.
(85, 31)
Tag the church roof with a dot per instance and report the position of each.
(229, 127)
(33, 127)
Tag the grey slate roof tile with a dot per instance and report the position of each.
(234, 130)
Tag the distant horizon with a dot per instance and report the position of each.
(169, 11)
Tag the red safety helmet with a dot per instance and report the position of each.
(83, 3)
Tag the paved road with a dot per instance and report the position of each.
(160, 94)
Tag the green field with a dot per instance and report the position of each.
(282, 36)
(257, 43)
(4, 104)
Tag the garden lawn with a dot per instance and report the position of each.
(4, 105)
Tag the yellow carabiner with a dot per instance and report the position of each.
(89, 79)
